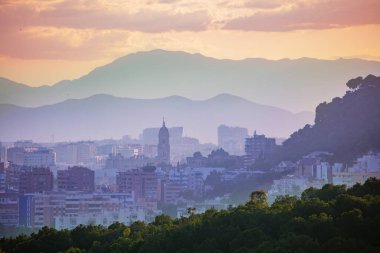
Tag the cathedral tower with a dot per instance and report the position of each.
(163, 148)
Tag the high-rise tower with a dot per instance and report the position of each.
(163, 148)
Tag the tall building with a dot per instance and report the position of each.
(9, 209)
(231, 139)
(35, 180)
(2, 177)
(66, 153)
(258, 146)
(12, 178)
(144, 183)
(149, 136)
(163, 148)
(21, 179)
(31, 157)
(3, 154)
(15, 155)
(26, 212)
(85, 151)
(75, 153)
(39, 158)
(69, 209)
(179, 182)
(115, 161)
(76, 179)
(2, 157)
(176, 133)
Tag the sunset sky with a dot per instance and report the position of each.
(43, 42)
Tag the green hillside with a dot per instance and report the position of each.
(347, 127)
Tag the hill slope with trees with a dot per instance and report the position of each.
(347, 127)
(332, 219)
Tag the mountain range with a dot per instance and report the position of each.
(106, 116)
(295, 85)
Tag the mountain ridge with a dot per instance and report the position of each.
(172, 97)
(283, 83)
(107, 116)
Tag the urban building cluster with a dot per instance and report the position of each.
(63, 185)
(314, 171)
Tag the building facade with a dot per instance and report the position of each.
(144, 182)
(232, 139)
(36, 180)
(31, 157)
(76, 178)
(39, 158)
(9, 209)
(258, 147)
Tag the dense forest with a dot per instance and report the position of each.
(331, 219)
(347, 127)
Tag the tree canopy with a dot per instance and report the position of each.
(330, 219)
(348, 127)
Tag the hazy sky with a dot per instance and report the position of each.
(42, 42)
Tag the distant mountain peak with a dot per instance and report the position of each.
(106, 116)
(160, 73)
(229, 97)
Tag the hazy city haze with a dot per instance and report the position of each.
(104, 116)
(188, 126)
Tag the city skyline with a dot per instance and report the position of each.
(189, 126)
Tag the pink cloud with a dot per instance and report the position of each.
(313, 15)
(168, 1)
(92, 17)
(144, 21)
(52, 43)
(81, 29)
(13, 19)
(263, 4)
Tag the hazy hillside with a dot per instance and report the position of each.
(295, 85)
(104, 116)
(347, 126)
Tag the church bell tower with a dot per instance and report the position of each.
(163, 148)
